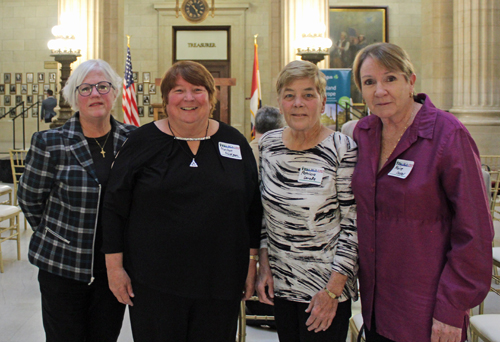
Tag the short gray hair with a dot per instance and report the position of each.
(267, 119)
(79, 74)
(300, 69)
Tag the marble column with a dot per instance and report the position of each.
(298, 15)
(437, 52)
(476, 62)
(88, 17)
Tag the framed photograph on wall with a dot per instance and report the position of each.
(151, 111)
(19, 99)
(12, 89)
(6, 100)
(6, 78)
(140, 88)
(145, 100)
(34, 89)
(19, 77)
(29, 77)
(351, 29)
(45, 88)
(140, 111)
(146, 77)
(41, 77)
(2, 89)
(29, 99)
(2, 111)
(24, 89)
(152, 88)
(135, 76)
(52, 77)
(34, 112)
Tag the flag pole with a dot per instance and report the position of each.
(128, 40)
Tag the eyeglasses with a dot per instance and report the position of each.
(102, 88)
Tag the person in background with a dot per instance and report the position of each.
(424, 227)
(266, 119)
(182, 218)
(308, 256)
(61, 193)
(48, 106)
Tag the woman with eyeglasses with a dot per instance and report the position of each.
(61, 194)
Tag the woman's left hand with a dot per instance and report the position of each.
(323, 309)
(250, 282)
(442, 332)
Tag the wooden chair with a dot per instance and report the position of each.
(355, 324)
(491, 163)
(6, 190)
(17, 163)
(487, 326)
(243, 317)
(17, 159)
(10, 214)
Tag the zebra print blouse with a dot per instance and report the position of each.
(309, 215)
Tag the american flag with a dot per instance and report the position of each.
(131, 115)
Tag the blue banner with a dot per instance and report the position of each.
(338, 90)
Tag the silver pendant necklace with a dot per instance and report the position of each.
(193, 162)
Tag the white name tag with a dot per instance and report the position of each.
(402, 168)
(311, 175)
(230, 150)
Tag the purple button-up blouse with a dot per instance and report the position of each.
(424, 241)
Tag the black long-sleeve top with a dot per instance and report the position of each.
(184, 230)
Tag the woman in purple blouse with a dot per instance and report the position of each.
(424, 227)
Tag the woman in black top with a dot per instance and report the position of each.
(181, 215)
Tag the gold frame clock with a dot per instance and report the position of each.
(194, 11)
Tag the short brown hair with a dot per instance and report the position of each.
(191, 72)
(299, 69)
(391, 56)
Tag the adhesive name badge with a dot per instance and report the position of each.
(311, 175)
(230, 150)
(402, 168)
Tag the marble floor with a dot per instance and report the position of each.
(20, 312)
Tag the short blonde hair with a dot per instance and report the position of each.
(192, 72)
(391, 56)
(79, 74)
(296, 70)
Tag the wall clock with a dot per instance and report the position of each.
(194, 11)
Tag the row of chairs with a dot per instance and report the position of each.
(9, 210)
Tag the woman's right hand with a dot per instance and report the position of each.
(265, 279)
(118, 279)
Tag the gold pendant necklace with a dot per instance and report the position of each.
(102, 147)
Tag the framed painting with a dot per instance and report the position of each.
(351, 29)
(29, 77)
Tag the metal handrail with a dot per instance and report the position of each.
(21, 114)
(348, 109)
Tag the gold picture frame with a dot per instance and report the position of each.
(351, 29)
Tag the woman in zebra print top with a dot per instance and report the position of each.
(309, 246)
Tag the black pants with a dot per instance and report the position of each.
(74, 311)
(160, 317)
(372, 335)
(291, 318)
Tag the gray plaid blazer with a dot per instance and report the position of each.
(59, 193)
